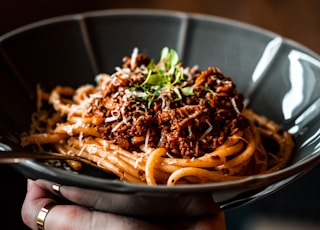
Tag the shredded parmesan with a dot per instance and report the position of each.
(117, 126)
(207, 131)
(92, 149)
(234, 104)
(147, 139)
(115, 114)
(81, 150)
(134, 57)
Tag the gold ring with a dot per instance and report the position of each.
(43, 214)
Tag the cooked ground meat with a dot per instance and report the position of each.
(187, 125)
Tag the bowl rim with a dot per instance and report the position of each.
(253, 181)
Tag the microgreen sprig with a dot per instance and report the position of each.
(167, 74)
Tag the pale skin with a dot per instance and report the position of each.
(67, 216)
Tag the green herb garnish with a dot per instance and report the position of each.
(167, 74)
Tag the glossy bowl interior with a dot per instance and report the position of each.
(280, 78)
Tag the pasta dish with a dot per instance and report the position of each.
(160, 123)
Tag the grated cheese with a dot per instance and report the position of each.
(134, 57)
(234, 104)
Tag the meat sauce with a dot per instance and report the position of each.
(190, 115)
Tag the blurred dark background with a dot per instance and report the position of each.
(294, 207)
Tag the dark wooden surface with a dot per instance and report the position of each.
(294, 19)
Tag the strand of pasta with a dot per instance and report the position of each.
(286, 145)
(128, 161)
(43, 138)
(160, 173)
(208, 160)
(86, 147)
(74, 129)
(101, 162)
(200, 173)
(59, 103)
(150, 165)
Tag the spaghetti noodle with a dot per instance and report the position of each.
(160, 123)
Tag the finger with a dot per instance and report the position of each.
(35, 199)
(54, 189)
(46, 185)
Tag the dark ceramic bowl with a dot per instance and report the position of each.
(280, 77)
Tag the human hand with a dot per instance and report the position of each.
(70, 216)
